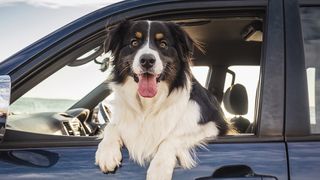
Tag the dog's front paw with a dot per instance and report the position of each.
(108, 156)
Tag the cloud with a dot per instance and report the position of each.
(60, 3)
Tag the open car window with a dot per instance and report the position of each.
(232, 44)
(248, 76)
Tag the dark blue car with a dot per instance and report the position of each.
(261, 62)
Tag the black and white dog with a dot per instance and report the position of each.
(160, 112)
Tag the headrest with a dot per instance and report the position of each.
(235, 100)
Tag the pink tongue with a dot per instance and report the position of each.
(147, 86)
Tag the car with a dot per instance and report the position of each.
(264, 49)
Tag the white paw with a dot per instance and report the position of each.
(108, 156)
(160, 170)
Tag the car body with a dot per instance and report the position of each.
(280, 146)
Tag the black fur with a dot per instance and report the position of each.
(113, 44)
(209, 106)
(184, 45)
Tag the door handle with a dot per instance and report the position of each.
(236, 172)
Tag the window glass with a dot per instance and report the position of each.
(61, 90)
(310, 21)
(248, 76)
(311, 77)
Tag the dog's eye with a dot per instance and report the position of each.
(134, 43)
(163, 44)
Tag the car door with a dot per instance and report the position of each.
(302, 99)
(258, 155)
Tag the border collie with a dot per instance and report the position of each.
(160, 111)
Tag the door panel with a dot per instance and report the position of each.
(268, 159)
(304, 158)
(263, 158)
(302, 29)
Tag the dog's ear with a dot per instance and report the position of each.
(115, 36)
(185, 44)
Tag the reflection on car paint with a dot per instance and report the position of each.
(78, 163)
(5, 89)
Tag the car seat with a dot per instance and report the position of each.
(235, 101)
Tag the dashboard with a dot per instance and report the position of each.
(74, 122)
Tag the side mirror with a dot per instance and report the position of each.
(5, 90)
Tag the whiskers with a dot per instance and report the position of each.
(170, 71)
(125, 67)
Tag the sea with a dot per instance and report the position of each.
(28, 105)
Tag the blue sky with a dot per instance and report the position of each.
(25, 21)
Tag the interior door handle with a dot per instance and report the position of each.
(236, 172)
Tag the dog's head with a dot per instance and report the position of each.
(150, 52)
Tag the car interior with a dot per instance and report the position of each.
(228, 41)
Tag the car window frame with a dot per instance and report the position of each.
(269, 118)
(269, 129)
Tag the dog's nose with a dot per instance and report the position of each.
(147, 60)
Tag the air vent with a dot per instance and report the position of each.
(68, 128)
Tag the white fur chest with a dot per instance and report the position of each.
(144, 123)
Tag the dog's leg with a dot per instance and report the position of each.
(165, 160)
(179, 147)
(163, 163)
(108, 155)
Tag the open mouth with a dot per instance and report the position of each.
(147, 84)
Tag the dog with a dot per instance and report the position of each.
(160, 111)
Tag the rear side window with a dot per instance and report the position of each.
(310, 21)
(201, 74)
(248, 76)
